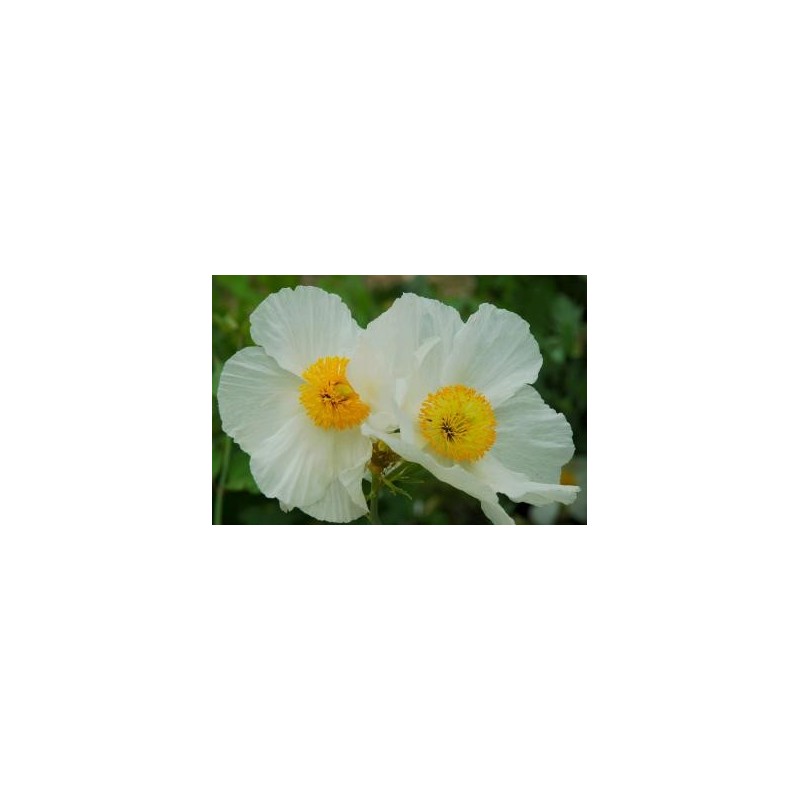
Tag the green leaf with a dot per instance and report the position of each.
(567, 317)
(237, 285)
(240, 479)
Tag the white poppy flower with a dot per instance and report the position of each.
(455, 398)
(288, 404)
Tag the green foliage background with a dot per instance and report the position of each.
(555, 307)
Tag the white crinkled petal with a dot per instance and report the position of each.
(256, 398)
(353, 480)
(412, 392)
(389, 350)
(532, 438)
(334, 506)
(300, 462)
(453, 474)
(291, 458)
(344, 501)
(496, 514)
(294, 465)
(494, 353)
(425, 377)
(533, 444)
(518, 487)
(299, 326)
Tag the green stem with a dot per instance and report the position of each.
(373, 499)
(223, 477)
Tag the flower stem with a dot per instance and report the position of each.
(373, 499)
(223, 477)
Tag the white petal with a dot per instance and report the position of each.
(453, 474)
(518, 487)
(413, 391)
(425, 378)
(344, 501)
(533, 443)
(532, 438)
(494, 353)
(541, 494)
(300, 462)
(389, 350)
(408, 324)
(496, 514)
(298, 326)
(256, 398)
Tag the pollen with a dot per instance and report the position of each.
(329, 400)
(458, 422)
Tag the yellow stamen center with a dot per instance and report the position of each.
(328, 398)
(458, 422)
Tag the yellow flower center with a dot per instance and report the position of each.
(458, 422)
(328, 398)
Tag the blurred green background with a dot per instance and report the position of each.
(555, 307)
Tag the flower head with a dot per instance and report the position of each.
(456, 398)
(289, 405)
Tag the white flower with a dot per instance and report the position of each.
(454, 397)
(288, 404)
